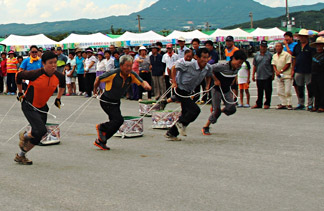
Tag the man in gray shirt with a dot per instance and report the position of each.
(264, 75)
(190, 74)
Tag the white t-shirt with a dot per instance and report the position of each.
(169, 61)
(101, 66)
(110, 64)
(67, 78)
(87, 63)
(242, 76)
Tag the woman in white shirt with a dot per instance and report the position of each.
(90, 66)
(110, 62)
(101, 69)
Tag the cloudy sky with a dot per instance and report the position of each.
(35, 11)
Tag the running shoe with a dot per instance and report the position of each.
(23, 160)
(309, 108)
(246, 106)
(240, 105)
(289, 107)
(205, 131)
(101, 145)
(181, 128)
(101, 134)
(171, 137)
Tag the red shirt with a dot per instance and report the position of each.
(4, 68)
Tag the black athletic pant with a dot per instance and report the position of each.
(81, 83)
(264, 86)
(146, 76)
(89, 81)
(318, 89)
(11, 83)
(189, 111)
(37, 121)
(115, 118)
(203, 85)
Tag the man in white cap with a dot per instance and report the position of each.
(182, 48)
(318, 74)
(302, 66)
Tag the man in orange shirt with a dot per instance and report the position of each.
(42, 84)
(11, 72)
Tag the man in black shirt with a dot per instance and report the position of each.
(302, 65)
(157, 72)
(318, 74)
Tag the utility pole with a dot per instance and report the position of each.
(288, 18)
(139, 22)
(251, 16)
(207, 26)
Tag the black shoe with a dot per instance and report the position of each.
(205, 131)
(300, 107)
(101, 145)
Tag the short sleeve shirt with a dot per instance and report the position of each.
(88, 62)
(303, 57)
(264, 69)
(291, 46)
(190, 75)
(79, 65)
(169, 61)
(26, 65)
(182, 51)
(280, 61)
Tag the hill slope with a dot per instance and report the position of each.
(164, 14)
(305, 19)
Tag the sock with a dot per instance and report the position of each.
(22, 154)
(26, 136)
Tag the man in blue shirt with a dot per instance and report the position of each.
(33, 62)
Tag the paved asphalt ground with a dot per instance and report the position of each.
(254, 160)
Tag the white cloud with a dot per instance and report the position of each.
(282, 3)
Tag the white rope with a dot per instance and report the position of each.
(198, 93)
(8, 111)
(44, 112)
(140, 119)
(76, 119)
(68, 117)
(234, 102)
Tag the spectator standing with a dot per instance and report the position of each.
(213, 60)
(243, 80)
(289, 45)
(160, 45)
(79, 61)
(302, 66)
(144, 71)
(116, 61)
(90, 64)
(109, 60)
(73, 74)
(229, 52)
(182, 48)
(318, 74)
(3, 72)
(61, 59)
(264, 75)
(169, 59)
(101, 69)
(281, 62)
(157, 72)
(11, 73)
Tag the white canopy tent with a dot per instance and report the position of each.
(85, 41)
(137, 39)
(189, 36)
(22, 43)
(238, 34)
(268, 34)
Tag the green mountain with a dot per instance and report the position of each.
(164, 14)
(305, 19)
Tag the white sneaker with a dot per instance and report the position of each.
(181, 128)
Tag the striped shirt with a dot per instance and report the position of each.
(12, 65)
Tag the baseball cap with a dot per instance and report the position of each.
(264, 43)
(229, 38)
(169, 45)
(58, 48)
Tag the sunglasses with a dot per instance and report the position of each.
(34, 52)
